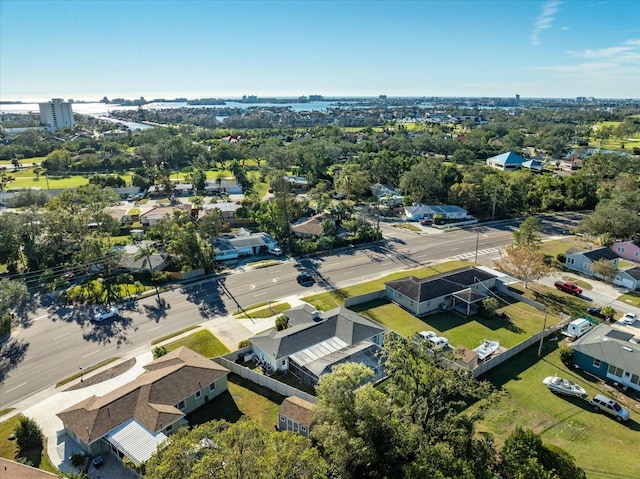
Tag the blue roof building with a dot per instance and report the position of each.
(506, 162)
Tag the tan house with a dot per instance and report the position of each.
(295, 415)
(135, 419)
(15, 470)
(312, 227)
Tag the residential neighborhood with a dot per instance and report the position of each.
(362, 285)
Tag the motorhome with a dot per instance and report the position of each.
(579, 327)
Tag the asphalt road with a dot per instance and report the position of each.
(57, 341)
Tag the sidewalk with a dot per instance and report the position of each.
(44, 406)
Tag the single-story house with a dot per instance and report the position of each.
(227, 208)
(448, 212)
(154, 215)
(156, 261)
(297, 183)
(629, 250)
(155, 190)
(15, 470)
(533, 165)
(295, 415)
(230, 187)
(582, 260)
(459, 289)
(135, 419)
(312, 227)
(387, 195)
(506, 161)
(126, 192)
(628, 278)
(244, 243)
(610, 354)
(183, 189)
(316, 341)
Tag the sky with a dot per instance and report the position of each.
(225, 49)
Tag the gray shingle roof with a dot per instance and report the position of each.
(596, 254)
(340, 322)
(421, 290)
(605, 344)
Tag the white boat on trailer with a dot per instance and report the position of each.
(486, 349)
(564, 386)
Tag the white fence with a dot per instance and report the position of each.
(509, 353)
(363, 298)
(262, 380)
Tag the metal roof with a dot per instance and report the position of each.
(318, 351)
(135, 441)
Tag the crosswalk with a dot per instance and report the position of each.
(472, 254)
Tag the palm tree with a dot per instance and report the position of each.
(144, 253)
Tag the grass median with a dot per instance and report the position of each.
(86, 371)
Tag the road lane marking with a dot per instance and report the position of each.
(90, 354)
(60, 337)
(275, 280)
(153, 329)
(40, 317)
(260, 294)
(18, 386)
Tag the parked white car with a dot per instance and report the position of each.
(629, 318)
(106, 314)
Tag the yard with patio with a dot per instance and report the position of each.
(603, 447)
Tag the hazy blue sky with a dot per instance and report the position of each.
(89, 49)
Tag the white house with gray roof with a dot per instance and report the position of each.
(316, 341)
(245, 243)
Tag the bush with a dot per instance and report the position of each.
(161, 277)
(159, 351)
(77, 459)
(28, 435)
(567, 355)
(562, 258)
(244, 343)
(5, 324)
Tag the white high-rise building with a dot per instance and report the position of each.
(56, 114)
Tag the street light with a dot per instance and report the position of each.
(477, 242)
(81, 374)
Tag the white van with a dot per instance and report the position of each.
(579, 327)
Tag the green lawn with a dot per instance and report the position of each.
(602, 447)
(331, 299)
(408, 226)
(172, 335)
(555, 301)
(274, 310)
(25, 179)
(202, 342)
(555, 247)
(467, 332)
(244, 398)
(632, 298)
(9, 449)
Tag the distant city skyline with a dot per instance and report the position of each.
(86, 50)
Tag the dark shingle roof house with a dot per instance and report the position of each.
(432, 287)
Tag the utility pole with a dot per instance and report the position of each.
(544, 326)
(493, 209)
(477, 242)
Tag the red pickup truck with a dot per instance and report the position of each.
(568, 287)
